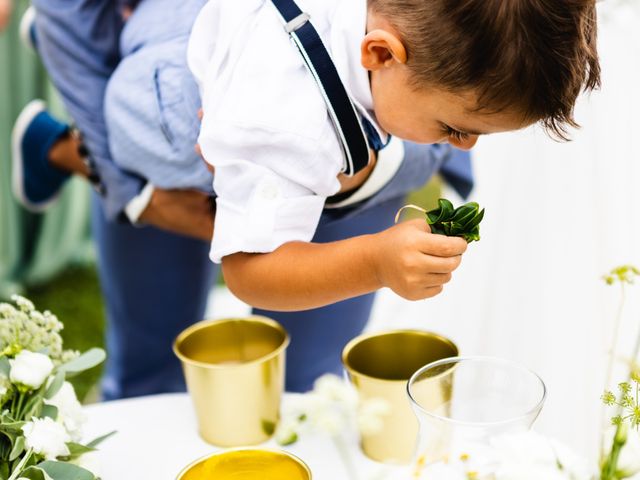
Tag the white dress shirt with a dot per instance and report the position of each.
(265, 128)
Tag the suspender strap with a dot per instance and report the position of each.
(343, 114)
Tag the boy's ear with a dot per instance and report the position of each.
(380, 49)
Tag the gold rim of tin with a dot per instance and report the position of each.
(356, 341)
(206, 323)
(295, 458)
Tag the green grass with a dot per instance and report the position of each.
(75, 297)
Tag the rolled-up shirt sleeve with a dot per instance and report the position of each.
(271, 188)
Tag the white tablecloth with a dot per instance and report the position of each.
(157, 436)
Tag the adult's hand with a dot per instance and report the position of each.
(186, 212)
(5, 13)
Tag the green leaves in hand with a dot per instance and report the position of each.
(463, 221)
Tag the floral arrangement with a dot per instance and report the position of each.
(41, 418)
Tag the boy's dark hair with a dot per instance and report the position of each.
(534, 56)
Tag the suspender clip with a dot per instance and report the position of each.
(297, 23)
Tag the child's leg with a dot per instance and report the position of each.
(152, 100)
(318, 336)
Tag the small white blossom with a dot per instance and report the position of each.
(46, 437)
(24, 304)
(333, 388)
(26, 328)
(371, 415)
(532, 456)
(288, 431)
(7, 310)
(328, 421)
(30, 369)
(70, 411)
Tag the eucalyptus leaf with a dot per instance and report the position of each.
(463, 221)
(77, 449)
(33, 473)
(55, 385)
(87, 360)
(18, 448)
(11, 427)
(50, 411)
(97, 441)
(65, 471)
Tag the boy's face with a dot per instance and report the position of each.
(429, 114)
(433, 115)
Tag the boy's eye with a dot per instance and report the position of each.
(455, 134)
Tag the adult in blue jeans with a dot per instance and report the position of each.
(82, 43)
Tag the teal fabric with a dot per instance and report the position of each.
(33, 248)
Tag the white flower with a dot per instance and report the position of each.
(441, 471)
(24, 304)
(334, 388)
(46, 437)
(329, 421)
(288, 431)
(70, 411)
(371, 415)
(30, 369)
(532, 456)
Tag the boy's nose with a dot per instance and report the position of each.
(464, 144)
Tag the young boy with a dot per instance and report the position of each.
(425, 71)
(430, 72)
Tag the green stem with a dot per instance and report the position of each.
(18, 470)
(20, 405)
(612, 354)
(610, 466)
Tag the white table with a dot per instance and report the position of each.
(157, 436)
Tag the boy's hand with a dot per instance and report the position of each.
(415, 263)
(5, 13)
(186, 212)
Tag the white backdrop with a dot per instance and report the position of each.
(558, 216)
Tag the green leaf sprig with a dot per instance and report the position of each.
(463, 221)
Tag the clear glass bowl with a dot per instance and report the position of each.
(463, 402)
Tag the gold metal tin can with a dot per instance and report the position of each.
(247, 464)
(379, 365)
(234, 369)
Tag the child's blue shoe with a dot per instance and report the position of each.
(36, 184)
(28, 28)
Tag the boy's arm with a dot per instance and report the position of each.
(299, 276)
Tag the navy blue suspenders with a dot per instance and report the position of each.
(342, 112)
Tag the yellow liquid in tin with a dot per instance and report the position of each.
(248, 465)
